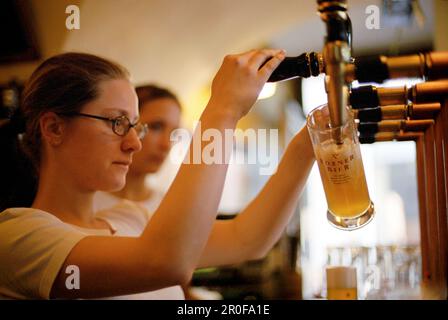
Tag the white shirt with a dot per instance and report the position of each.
(106, 200)
(34, 245)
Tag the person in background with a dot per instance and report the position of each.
(160, 110)
(79, 129)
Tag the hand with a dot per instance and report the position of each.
(241, 77)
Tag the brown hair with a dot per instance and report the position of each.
(151, 92)
(62, 84)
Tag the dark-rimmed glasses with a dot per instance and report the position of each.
(120, 125)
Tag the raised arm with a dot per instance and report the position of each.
(257, 228)
(170, 247)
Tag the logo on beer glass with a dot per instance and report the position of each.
(338, 168)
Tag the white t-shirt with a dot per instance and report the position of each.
(34, 245)
(106, 200)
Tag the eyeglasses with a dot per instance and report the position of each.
(120, 125)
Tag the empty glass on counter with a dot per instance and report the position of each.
(339, 159)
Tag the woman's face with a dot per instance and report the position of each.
(92, 154)
(162, 117)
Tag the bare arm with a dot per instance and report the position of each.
(170, 247)
(256, 229)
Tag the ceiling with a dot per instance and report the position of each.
(180, 44)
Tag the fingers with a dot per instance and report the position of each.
(267, 69)
(241, 58)
(249, 53)
(255, 58)
(260, 57)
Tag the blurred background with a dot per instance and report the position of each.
(180, 44)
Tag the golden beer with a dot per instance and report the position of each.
(339, 159)
(342, 294)
(343, 178)
(341, 283)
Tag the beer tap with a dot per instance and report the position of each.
(378, 68)
(336, 56)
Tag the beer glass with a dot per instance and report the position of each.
(341, 283)
(341, 170)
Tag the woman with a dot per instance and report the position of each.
(81, 131)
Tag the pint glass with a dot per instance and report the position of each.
(339, 159)
(341, 283)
